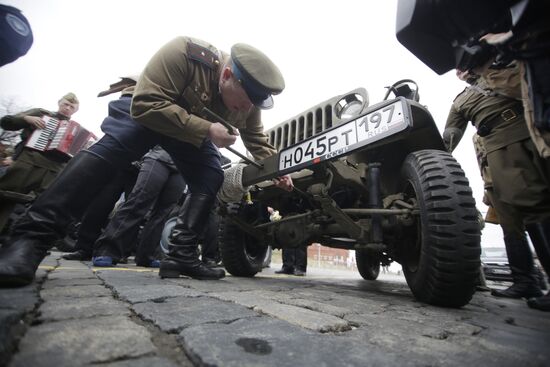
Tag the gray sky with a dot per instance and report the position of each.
(323, 48)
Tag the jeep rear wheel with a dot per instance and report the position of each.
(242, 255)
(368, 264)
(440, 252)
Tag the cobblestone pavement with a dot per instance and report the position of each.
(76, 315)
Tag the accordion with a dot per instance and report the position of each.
(66, 137)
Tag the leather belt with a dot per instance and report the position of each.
(508, 114)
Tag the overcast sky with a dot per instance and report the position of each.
(323, 48)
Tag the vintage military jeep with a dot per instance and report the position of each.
(374, 179)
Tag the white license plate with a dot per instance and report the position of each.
(354, 134)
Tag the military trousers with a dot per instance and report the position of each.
(295, 258)
(30, 172)
(157, 189)
(96, 216)
(521, 178)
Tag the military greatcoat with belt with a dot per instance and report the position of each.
(520, 176)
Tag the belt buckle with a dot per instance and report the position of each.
(508, 114)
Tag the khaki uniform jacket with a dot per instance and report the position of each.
(519, 177)
(181, 79)
(477, 107)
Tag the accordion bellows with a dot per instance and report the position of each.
(67, 137)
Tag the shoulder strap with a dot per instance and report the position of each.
(202, 54)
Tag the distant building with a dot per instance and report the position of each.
(329, 255)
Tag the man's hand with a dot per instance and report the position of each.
(451, 138)
(284, 182)
(219, 135)
(35, 122)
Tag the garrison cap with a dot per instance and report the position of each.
(15, 34)
(123, 83)
(71, 97)
(258, 75)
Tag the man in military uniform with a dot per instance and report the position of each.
(525, 279)
(182, 77)
(34, 170)
(521, 177)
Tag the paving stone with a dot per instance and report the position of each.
(71, 282)
(76, 291)
(296, 315)
(142, 293)
(120, 277)
(79, 308)
(317, 306)
(11, 328)
(303, 317)
(79, 342)
(230, 283)
(264, 341)
(71, 274)
(143, 362)
(268, 320)
(73, 265)
(23, 298)
(174, 314)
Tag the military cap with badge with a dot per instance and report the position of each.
(258, 75)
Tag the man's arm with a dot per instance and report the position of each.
(454, 129)
(29, 119)
(254, 138)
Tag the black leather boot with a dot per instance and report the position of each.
(183, 255)
(540, 236)
(49, 217)
(540, 303)
(522, 265)
(79, 255)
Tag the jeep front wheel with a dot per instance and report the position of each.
(242, 254)
(440, 251)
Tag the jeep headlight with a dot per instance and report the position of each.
(349, 106)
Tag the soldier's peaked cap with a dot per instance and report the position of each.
(258, 75)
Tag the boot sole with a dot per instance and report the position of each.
(169, 273)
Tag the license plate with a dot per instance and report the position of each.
(343, 139)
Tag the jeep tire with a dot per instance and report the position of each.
(368, 264)
(440, 252)
(242, 255)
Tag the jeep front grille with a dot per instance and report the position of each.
(315, 119)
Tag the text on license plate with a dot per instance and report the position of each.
(345, 138)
